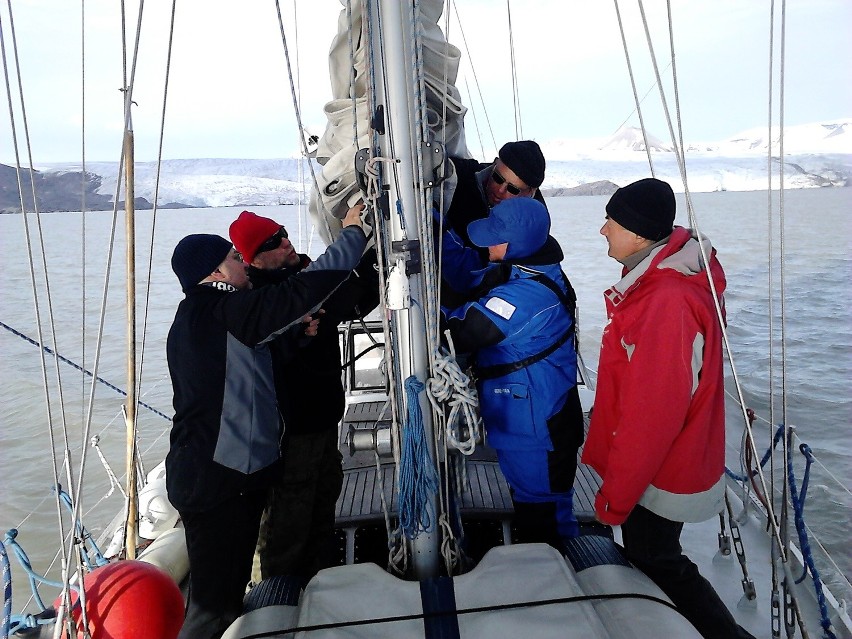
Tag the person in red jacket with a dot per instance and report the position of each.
(657, 432)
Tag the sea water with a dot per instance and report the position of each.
(811, 329)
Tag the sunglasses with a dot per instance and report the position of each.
(499, 180)
(273, 242)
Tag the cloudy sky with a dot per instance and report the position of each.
(229, 93)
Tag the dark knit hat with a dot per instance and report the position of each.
(646, 207)
(526, 161)
(197, 256)
(249, 231)
(521, 221)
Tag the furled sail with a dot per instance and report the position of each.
(349, 111)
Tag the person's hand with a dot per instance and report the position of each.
(353, 216)
(311, 323)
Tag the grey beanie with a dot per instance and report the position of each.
(646, 207)
(197, 256)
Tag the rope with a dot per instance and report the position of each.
(7, 593)
(418, 479)
(450, 386)
(31, 574)
(804, 544)
(458, 612)
(753, 473)
(84, 537)
(97, 378)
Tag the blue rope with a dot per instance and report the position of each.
(804, 544)
(16, 623)
(7, 593)
(83, 534)
(34, 578)
(81, 369)
(418, 479)
(763, 460)
(25, 564)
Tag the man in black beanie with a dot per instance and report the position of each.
(224, 442)
(657, 433)
(517, 171)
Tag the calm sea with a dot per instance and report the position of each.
(817, 346)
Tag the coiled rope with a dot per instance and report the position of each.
(450, 386)
(418, 479)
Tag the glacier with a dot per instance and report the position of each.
(815, 155)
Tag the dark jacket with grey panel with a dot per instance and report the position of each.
(227, 426)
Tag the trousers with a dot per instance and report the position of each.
(297, 528)
(653, 545)
(220, 543)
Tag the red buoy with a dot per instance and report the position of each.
(129, 600)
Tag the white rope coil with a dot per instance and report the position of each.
(450, 386)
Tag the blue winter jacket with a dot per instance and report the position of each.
(508, 318)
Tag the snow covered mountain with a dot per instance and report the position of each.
(816, 155)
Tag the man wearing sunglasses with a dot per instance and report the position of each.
(517, 171)
(297, 528)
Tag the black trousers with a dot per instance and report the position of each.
(220, 542)
(653, 545)
(297, 527)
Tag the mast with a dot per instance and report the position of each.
(130, 404)
(393, 38)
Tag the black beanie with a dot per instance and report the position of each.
(646, 207)
(197, 256)
(526, 161)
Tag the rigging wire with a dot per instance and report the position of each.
(296, 105)
(778, 528)
(516, 98)
(770, 251)
(638, 103)
(48, 403)
(469, 56)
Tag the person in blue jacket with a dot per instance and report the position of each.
(517, 322)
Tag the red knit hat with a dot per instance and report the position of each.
(249, 231)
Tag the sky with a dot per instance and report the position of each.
(229, 90)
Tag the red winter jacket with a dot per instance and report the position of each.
(657, 433)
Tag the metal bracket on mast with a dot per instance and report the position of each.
(413, 261)
(433, 155)
(378, 121)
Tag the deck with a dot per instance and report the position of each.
(487, 494)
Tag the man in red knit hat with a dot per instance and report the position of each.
(297, 528)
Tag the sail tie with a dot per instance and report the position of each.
(418, 479)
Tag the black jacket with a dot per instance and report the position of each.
(308, 380)
(226, 430)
